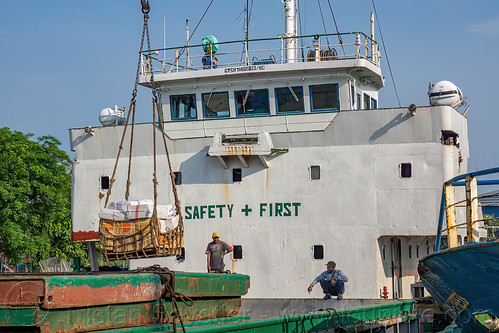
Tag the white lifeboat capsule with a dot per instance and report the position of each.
(445, 93)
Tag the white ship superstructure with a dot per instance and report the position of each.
(289, 159)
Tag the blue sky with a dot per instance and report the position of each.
(64, 61)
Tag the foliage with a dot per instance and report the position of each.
(35, 198)
(490, 221)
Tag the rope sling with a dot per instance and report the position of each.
(141, 238)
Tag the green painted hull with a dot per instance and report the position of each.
(98, 301)
(134, 302)
(361, 319)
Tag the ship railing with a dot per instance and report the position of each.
(264, 51)
(470, 202)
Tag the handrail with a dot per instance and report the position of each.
(270, 51)
(263, 39)
(457, 181)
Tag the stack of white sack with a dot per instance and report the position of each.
(140, 209)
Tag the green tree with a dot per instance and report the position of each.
(490, 223)
(35, 198)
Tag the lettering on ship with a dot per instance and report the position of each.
(264, 209)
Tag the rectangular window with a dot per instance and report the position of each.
(181, 256)
(178, 177)
(352, 92)
(405, 170)
(215, 104)
(367, 102)
(319, 252)
(252, 102)
(325, 97)
(315, 172)
(374, 103)
(289, 99)
(183, 107)
(359, 100)
(237, 175)
(238, 252)
(104, 182)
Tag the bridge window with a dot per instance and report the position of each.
(352, 95)
(183, 107)
(374, 103)
(325, 97)
(252, 102)
(215, 104)
(289, 99)
(367, 102)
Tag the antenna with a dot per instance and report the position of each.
(246, 25)
(164, 36)
(246, 21)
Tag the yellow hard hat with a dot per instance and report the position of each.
(215, 235)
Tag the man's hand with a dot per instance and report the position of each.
(310, 288)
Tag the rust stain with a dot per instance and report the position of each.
(193, 284)
(21, 293)
(73, 296)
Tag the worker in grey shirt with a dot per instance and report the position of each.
(332, 281)
(216, 251)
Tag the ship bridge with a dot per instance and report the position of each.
(256, 78)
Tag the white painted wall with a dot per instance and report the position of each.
(359, 198)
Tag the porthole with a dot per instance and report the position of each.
(104, 182)
(315, 172)
(238, 252)
(318, 252)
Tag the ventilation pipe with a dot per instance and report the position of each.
(290, 40)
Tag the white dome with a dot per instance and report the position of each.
(110, 117)
(445, 93)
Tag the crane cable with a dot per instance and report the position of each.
(182, 50)
(156, 110)
(386, 54)
(337, 31)
(323, 24)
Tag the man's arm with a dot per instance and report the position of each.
(208, 258)
(228, 249)
(341, 276)
(316, 280)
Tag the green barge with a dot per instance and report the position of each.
(160, 300)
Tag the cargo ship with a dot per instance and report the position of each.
(281, 146)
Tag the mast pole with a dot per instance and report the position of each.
(373, 52)
(246, 25)
(290, 35)
(188, 58)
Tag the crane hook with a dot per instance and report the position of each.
(145, 6)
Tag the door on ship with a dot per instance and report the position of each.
(396, 263)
